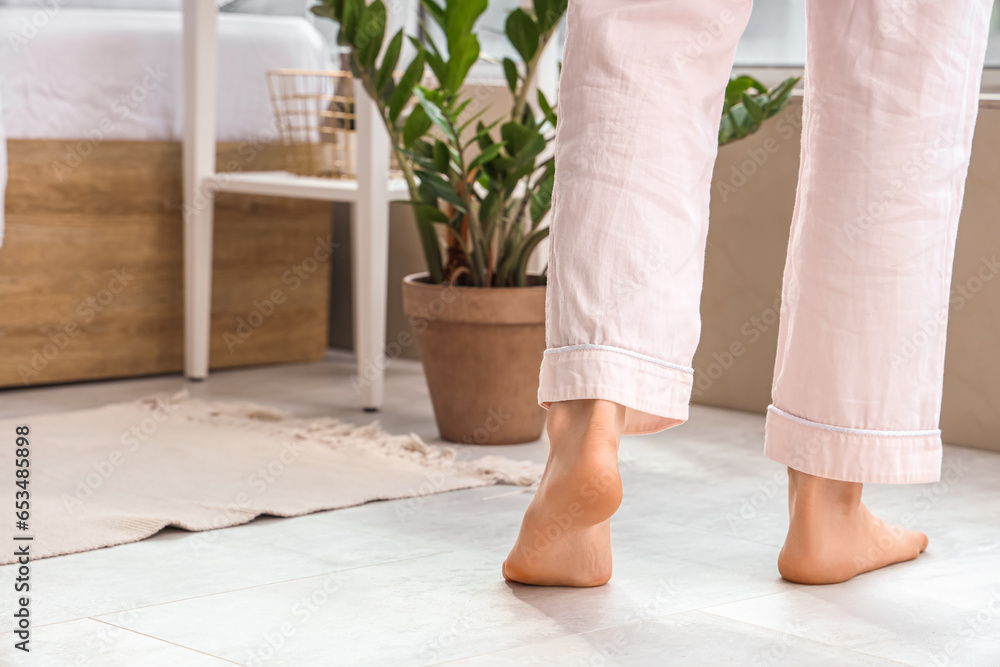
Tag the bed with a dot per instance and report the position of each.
(93, 114)
(122, 69)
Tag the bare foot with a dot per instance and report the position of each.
(565, 537)
(832, 536)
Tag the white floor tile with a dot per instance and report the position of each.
(87, 642)
(691, 638)
(911, 613)
(177, 564)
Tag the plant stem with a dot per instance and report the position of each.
(530, 70)
(479, 258)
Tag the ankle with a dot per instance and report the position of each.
(577, 416)
(808, 493)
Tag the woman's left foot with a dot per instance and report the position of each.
(832, 537)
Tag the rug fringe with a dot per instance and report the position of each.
(338, 435)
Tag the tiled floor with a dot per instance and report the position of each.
(418, 582)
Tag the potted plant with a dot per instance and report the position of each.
(478, 314)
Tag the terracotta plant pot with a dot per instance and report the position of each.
(481, 349)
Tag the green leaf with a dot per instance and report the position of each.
(523, 142)
(389, 61)
(753, 108)
(500, 167)
(329, 9)
(432, 250)
(404, 91)
(549, 13)
(510, 179)
(463, 53)
(427, 193)
(428, 213)
(504, 163)
(423, 148)
(442, 157)
(351, 14)
(726, 130)
(522, 31)
(457, 112)
(541, 198)
(433, 58)
(517, 137)
(488, 207)
(739, 85)
(528, 117)
(371, 32)
(524, 253)
(437, 115)
(489, 153)
(510, 71)
(460, 17)
(416, 126)
(778, 96)
(543, 104)
(483, 137)
(323, 11)
(441, 188)
(435, 10)
(419, 161)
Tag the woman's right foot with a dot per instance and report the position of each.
(565, 537)
(832, 536)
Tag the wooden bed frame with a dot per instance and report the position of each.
(90, 271)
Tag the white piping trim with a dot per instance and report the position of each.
(855, 431)
(608, 348)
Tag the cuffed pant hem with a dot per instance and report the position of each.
(656, 396)
(852, 455)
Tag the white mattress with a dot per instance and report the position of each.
(104, 74)
(3, 176)
(118, 74)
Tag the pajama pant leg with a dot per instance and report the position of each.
(890, 104)
(640, 101)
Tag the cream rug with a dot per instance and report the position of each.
(122, 472)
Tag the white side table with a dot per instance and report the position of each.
(369, 196)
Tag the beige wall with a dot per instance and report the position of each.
(405, 257)
(752, 197)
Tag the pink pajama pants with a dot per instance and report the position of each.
(891, 96)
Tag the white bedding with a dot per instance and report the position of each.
(3, 175)
(104, 74)
(117, 74)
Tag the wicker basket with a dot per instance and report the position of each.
(314, 111)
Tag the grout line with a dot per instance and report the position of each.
(165, 641)
(547, 640)
(808, 639)
(274, 583)
(657, 618)
(708, 609)
(237, 590)
(720, 534)
(509, 493)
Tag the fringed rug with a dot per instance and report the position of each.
(120, 473)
